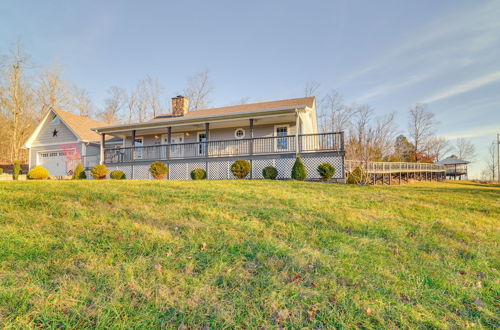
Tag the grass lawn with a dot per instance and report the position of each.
(248, 254)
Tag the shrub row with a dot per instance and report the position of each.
(159, 170)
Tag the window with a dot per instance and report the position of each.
(239, 133)
(281, 143)
(56, 120)
(202, 137)
(138, 149)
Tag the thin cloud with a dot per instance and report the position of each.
(464, 87)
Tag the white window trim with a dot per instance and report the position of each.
(240, 137)
(140, 150)
(200, 148)
(276, 134)
(282, 125)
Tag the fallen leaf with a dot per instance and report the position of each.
(369, 311)
(158, 267)
(296, 278)
(481, 275)
(204, 246)
(479, 302)
(314, 284)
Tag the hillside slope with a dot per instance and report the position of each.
(248, 254)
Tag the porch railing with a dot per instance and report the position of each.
(392, 167)
(227, 148)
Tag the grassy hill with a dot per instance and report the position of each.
(248, 254)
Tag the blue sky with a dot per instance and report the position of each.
(388, 54)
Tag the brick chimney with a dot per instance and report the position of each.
(180, 105)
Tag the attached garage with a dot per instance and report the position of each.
(54, 161)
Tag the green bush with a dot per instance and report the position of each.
(16, 169)
(326, 171)
(38, 173)
(358, 176)
(1, 171)
(241, 168)
(198, 174)
(158, 170)
(99, 172)
(270, 173)
(299, 171)
(117, 175)
(79, 172)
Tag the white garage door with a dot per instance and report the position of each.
(53, 161)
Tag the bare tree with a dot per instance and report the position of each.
(142, 101)
(131, 100)
(113, 105)
(334, 114)
(82, 102)
(154, 91)
(198, 90)
(311, 88)
(421, 128)
(465, 149)
(17, 102)
(53, 91)
(439, 147)
(491, 161)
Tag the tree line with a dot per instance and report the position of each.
(378, 138)
(27, 92)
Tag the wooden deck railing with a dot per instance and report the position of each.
(393, 167)
(323, 142)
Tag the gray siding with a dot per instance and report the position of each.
(220, 134)
(46, 133)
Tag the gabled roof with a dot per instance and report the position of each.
(80, 125)
(261, 106)
(452, 161)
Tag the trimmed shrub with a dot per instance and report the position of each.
(270, 173)
(158, 170)
(358, 176)
(241, 168)
(326, 171)
(1, 171)
(117, 175)
(38, 173)
(99, 172)
(198, 174)
(299, 171)
(79, 172)
(16, 169)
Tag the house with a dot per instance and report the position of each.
(265, 133)
(455, 168)
(62, 139)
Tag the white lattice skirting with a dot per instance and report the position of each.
(219, 169)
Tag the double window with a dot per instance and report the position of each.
(282, 141)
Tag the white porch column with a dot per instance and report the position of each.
(297, 128)
(103, 145)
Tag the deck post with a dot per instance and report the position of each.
(297, 128)
(169, 141)
(103, 145)
(250, 146)
(207, 126)
(133, 144)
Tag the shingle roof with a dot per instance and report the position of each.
(452, 161)
(80, 125)
(290, 103)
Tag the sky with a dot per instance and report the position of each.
(387, 54)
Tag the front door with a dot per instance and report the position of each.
(282, 141)
(177, 151)
(138, 143)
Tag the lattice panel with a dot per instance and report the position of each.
(178, 171)
(141, 172)
(284, 167)
(259, 164)
(311, 164)
(219, 170)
